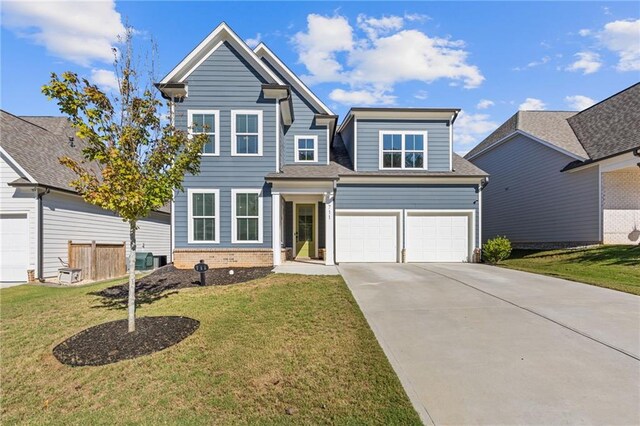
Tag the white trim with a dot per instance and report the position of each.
(403, 150)
(204, 58)
(329, 237)
(451, 142)
(533, 138)
(234, 144)
(600, 209)
(191, 191)
(315, 225)
(315, 148)
(277, 136)
(399, 213)
(276, 235)
(480, 189)
(444, 180)
(32, 263)
(216, 133)
(288, 73)
(328, 146)
(616, 162)
(173, 225)
(469, 212)
(221, 33)
(17, 165)
(395, 114)
(234, 237)
(355, 144)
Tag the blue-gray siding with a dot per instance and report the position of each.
(368, 141)
(408, 196)
(225, 81)
(529, 200)
(348, 138)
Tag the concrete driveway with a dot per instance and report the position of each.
(475, 344)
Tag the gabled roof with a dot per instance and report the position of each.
(209, 45)
(610, 127)
(382, 113)
(265, 53)
(546, 126)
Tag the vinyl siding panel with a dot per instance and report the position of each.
(397, 196)
(348, 137)
(529, 200)
(67, 217)
(438, 148)
(19, 200)
(225, 81)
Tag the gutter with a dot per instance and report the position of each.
(577, 164)
(41, 192)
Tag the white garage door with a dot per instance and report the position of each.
(14, 247)
(437, 238)
(366, 237)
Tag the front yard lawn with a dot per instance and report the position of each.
(283, 349)
(615, 267)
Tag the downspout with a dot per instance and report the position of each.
(335, 192)
(40, 255)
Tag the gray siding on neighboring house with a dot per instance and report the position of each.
(67, 217)
(529, 200)
(225, 81)
(368, 143)
(408, 196)
(348, 137)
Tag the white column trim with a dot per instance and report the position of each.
(329, 218)
(275, 228)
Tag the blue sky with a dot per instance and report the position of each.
(488, 58)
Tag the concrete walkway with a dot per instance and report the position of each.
(305, 268)
(475, 344)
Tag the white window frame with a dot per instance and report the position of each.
(216, 133)
(403, 133)
(315, 148)
(234, 143)
(190, 193)
(234, 217)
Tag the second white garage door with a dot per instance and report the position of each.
(364, 237)
(14, 247)
(437, 238)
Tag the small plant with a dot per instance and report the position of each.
(496, 250)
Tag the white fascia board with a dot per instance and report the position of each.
(209, 45)
(444, 180)
(17, 165)
(263, 50)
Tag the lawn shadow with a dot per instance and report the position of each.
(623, 255)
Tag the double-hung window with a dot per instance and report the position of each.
(306, 149)
(207, 122)
(246, 132)
(204, 215)
(403, 150)
(246, 205)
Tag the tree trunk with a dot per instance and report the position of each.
(132, 276)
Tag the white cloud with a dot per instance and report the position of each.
(361, 97)
(378, 54)
(80, 32)
(623, 38)
(579, 102)
(472, 128)
(419, 17)
(587, 62)
(584, 32)
(534, 64)
(532, 104)
(253, 42)
(485, 103)
(105, 79)
(421, 94)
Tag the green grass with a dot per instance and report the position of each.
(285, 341)
(615, 267)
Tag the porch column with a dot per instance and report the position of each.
(275, 227)
(328, 240)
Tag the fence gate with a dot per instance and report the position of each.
(98, 261)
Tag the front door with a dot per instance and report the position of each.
(305, 220)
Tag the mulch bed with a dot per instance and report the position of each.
(170, 278)
(111, 342)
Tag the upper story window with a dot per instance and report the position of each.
(306, 149)
(247, 215)
(204, 215)
(403, 150)
(207, 122)
(246, 132)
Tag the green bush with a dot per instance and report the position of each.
(496, 249)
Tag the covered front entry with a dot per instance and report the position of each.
(305, 230)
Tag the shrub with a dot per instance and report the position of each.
(496, 250)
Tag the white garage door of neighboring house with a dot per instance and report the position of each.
(437, 237)
(367, 237)
(14, 247)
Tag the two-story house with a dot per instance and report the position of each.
(279, 179)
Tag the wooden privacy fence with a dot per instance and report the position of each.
(98, 261)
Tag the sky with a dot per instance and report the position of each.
(487, 58)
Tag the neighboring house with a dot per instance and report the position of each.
(278, 179)
(565, 178)
(40, 212)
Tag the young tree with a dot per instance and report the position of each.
(132, 161)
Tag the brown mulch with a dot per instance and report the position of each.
(170, 278)
(111, 342)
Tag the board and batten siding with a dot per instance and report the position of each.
(368, 142)
(529, 200)
(225, 82)
(67, 217)
(409, 197)
(303, 125)
(19, 200)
